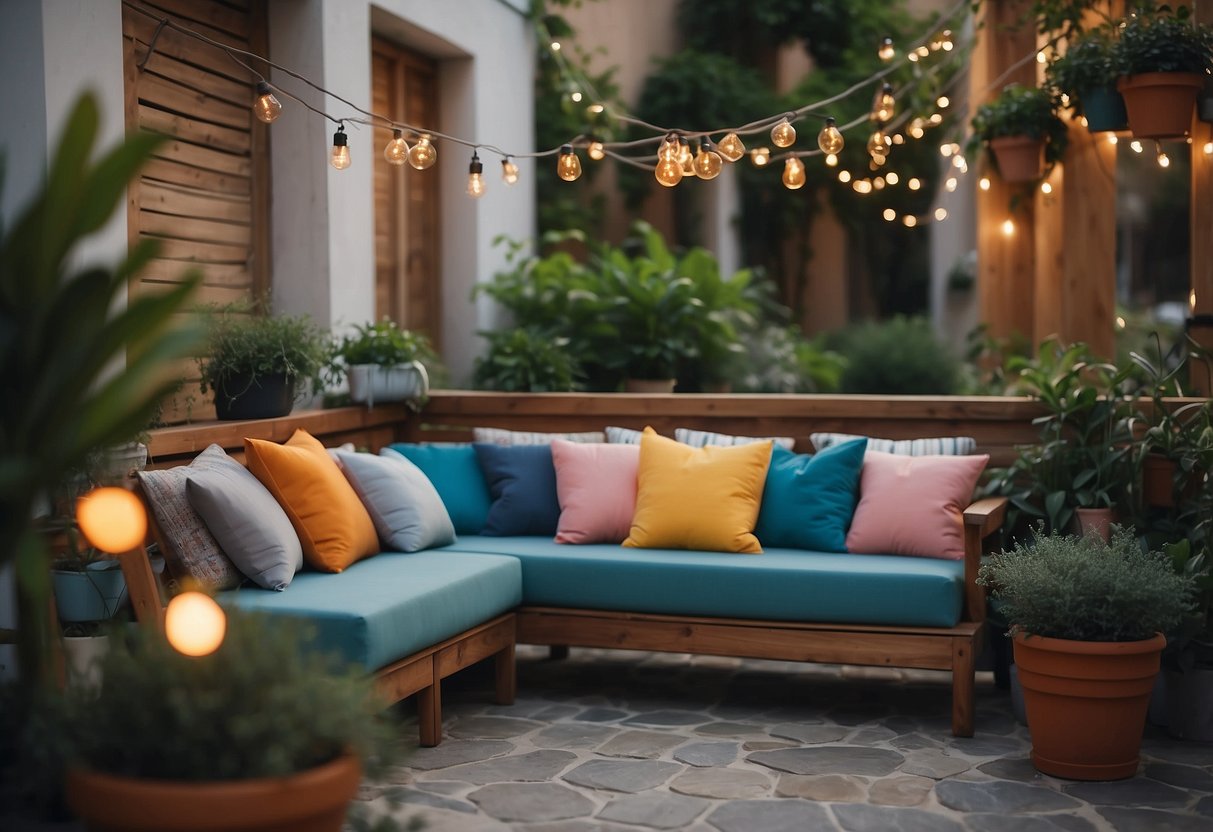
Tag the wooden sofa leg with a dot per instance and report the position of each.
(507, 676)
(429, 714)
(963, 694)
(558, 652)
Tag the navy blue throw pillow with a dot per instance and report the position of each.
(522, 484)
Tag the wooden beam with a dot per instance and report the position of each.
(1201, 213)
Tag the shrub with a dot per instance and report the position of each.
(524, 360)
(1085, 589)
(385, 344)
(1159, 40)
(242, 345)
(900, 356)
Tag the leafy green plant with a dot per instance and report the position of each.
(78, 372)
(1086, 66)
(1022, 111)
(523, 360)
(779, 359)
(1157, 39)
(1084, 589)
(385, 344)
(900, 356)
(243, 347)
(1192, 645)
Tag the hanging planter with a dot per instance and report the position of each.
(1104, 109)
(1022, 131)
(1087, 75)
(1160, 104)
(1019, 158)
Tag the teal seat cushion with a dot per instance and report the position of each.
(391, 605)
(780, 584)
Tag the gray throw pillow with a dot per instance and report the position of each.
(405, 507)
(190, 550)
(247, 521)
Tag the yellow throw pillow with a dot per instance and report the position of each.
(331, 521)
(698, 498)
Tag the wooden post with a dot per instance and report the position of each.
(1200, 300)
(1005, 261)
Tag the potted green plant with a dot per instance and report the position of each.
(1163, 58)
(259, 734)
(385, 363)
(256, 364)
(1086, 75)
(1087, 618)
(1023, 132)
(524, 360)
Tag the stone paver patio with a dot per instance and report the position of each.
(623, 742)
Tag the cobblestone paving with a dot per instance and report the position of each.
(613, 741)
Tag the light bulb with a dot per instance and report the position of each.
(945, 150)
(783, 134)
(898, 138)
(886, 52)
(893, 178)
(1136, 146)
(1008, 228)
(878, 144)
(112, 519)
(397, 150)
(707, 161)
(423, 155)
(935, 118)
(889, 214)
(923, 51)
(832, 160)
(942, 102)
(793, 174)
(509, 171)
(914, 184)
(959, 162)
(941, 214)
(595, 109)
(878, 183)
(910, 220)
(194, 624)
(830, 138)
(760, 156)
(946, 38)
(1046, 188)
(1113, 140)
(266, 107)
(568, 167)
(844, 176)
(883, 104)
(596, 151)
(950, 184)
(1163, 159)
(876, 162)
(340, 156)
(668, 152)
(686, 157)
(862, 186)
(576, 96)
(475, 177)
(984, 183)
(668, 172)
(1208, 148)
(731, 148)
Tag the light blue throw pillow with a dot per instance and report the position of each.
(808, 500)
(455, 473)
(404, 505)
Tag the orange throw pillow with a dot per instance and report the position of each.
(331, 521)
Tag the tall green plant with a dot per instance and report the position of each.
(60, 336)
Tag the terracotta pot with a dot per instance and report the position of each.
(1160, 104)
(310, 801)
(648, 385)
(1020, 158)
(1097, 521)
(1086, 703)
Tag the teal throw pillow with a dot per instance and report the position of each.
(456, 476)
(808, 500)
(522, 481)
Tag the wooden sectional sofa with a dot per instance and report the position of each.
(997, 424)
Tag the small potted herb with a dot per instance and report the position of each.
(256, 364)
(1163, 58)
(385, 363)
(1086, 75)
(1023, 132)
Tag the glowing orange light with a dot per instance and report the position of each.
(112, 519)
(194, 624)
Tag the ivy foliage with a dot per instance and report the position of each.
(744, 31)
(1157, 39)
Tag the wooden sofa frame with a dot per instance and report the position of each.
(998, 424)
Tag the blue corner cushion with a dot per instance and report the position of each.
(808, 501)
(456, 476)
(778, 585)
(387, 607)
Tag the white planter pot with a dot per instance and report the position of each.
(372, 383)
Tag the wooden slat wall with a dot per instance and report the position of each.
(205, 194)
(407, 277)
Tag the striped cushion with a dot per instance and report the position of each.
(932, 446)
(700, 438)
(500, 436)
(622, 436)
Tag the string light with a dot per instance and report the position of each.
(793, 174)
(883, 104)
(897, 138)
(576, 96)
(1208, 148)
(475, 177)
(830, 138)
(707, 161)
(1008, 227)
(509, 171)
(892, 178)
(942, 102)
(947, 45)
(941, 214)
(783, 134)
(266, 107)
(862, 186)
(945, 150)
(760, 156)
(668, 172)
(950, 184)
(831, 160)
(878, 144)
(1164, 161)
(1135, 146)
(844, 176)
(685, 157)
(1112, 140)
(889, 214)
(1046, 188)
(596, 151)
(397, 150)
(914, 184)
(339, 157)
(423, 155)
(878, 183)
(668, 152)
(568, 166)
(910, 220)
(984, 183)
(731, 148)
(887, 51)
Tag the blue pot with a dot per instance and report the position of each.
(94, 594)
(1105, 110)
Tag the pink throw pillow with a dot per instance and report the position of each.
(913, 505)
(596, 487)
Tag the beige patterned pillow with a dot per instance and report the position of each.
(191, 551)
